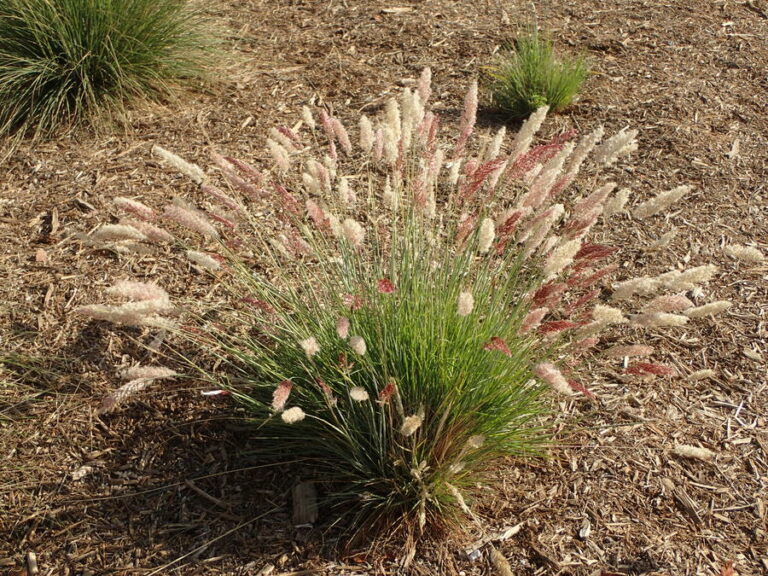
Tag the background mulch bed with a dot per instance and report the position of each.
(164, 482)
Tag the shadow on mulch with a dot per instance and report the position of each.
(169, 486)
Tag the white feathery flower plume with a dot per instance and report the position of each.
(357, 343)
(616, 204)
(117, 233)
(744, 253)
(191, 171)
(465, 304)
(708, 309)
(485, 235)
(293, 415)
(203, 260)
(560, 258)
(310, 346)
(353, 232)
(660, 202)
(528, 130)
(358, 394)
(620, 144)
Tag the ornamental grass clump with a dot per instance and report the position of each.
(530, 75)
(400, 320)
(65, 61)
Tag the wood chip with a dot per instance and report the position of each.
(304, 504)
(694, 452)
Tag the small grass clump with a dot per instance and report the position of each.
(63, 61)
(531, 75)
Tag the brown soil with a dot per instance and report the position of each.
(166, 493)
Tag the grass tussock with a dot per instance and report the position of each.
(530, 75)
(65, 61)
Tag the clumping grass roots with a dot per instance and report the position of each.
(531, 75)
(399, 321)
(64, 61)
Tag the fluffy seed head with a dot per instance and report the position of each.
(358, 394)
(135, 207)
(280, 395)
(357, 343)
(191, 171)
(203, 260)
(616, 204)
(485, 235)
(661, 202)
(744, 253)
(658, 319)
(694, 452)
(310, 346)
(117, 232)
(353, 232)
(708, 309)
(411, 424)
(668, 303)
(293, 415)
(191, 219)
(342, 327)
(137, 291)
(465, 304)
(309, 119)
(607, 315)
(147, 373)
(550, 374)
(561, 257)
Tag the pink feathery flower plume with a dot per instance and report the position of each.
(251, 173)
(556, 326)
(288, 201)
(467, 122)
(579, 387)
(533, 319)
(342, 135)
(353, 301)
(498, 344)
(465, 227)
(538, 155)
(280, 395)
(141, 211)
(231, 176)
(388, 391)
(549, 294)
(550, 374)
(589, 253)
(223, 198)
(506, 229)
(479, 175)
(385, 286)
(329, 132)
(317, 215)
(150, 231)
(191, 219)
(342, 327)
(647, 368)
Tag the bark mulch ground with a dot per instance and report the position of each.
(162, 486)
